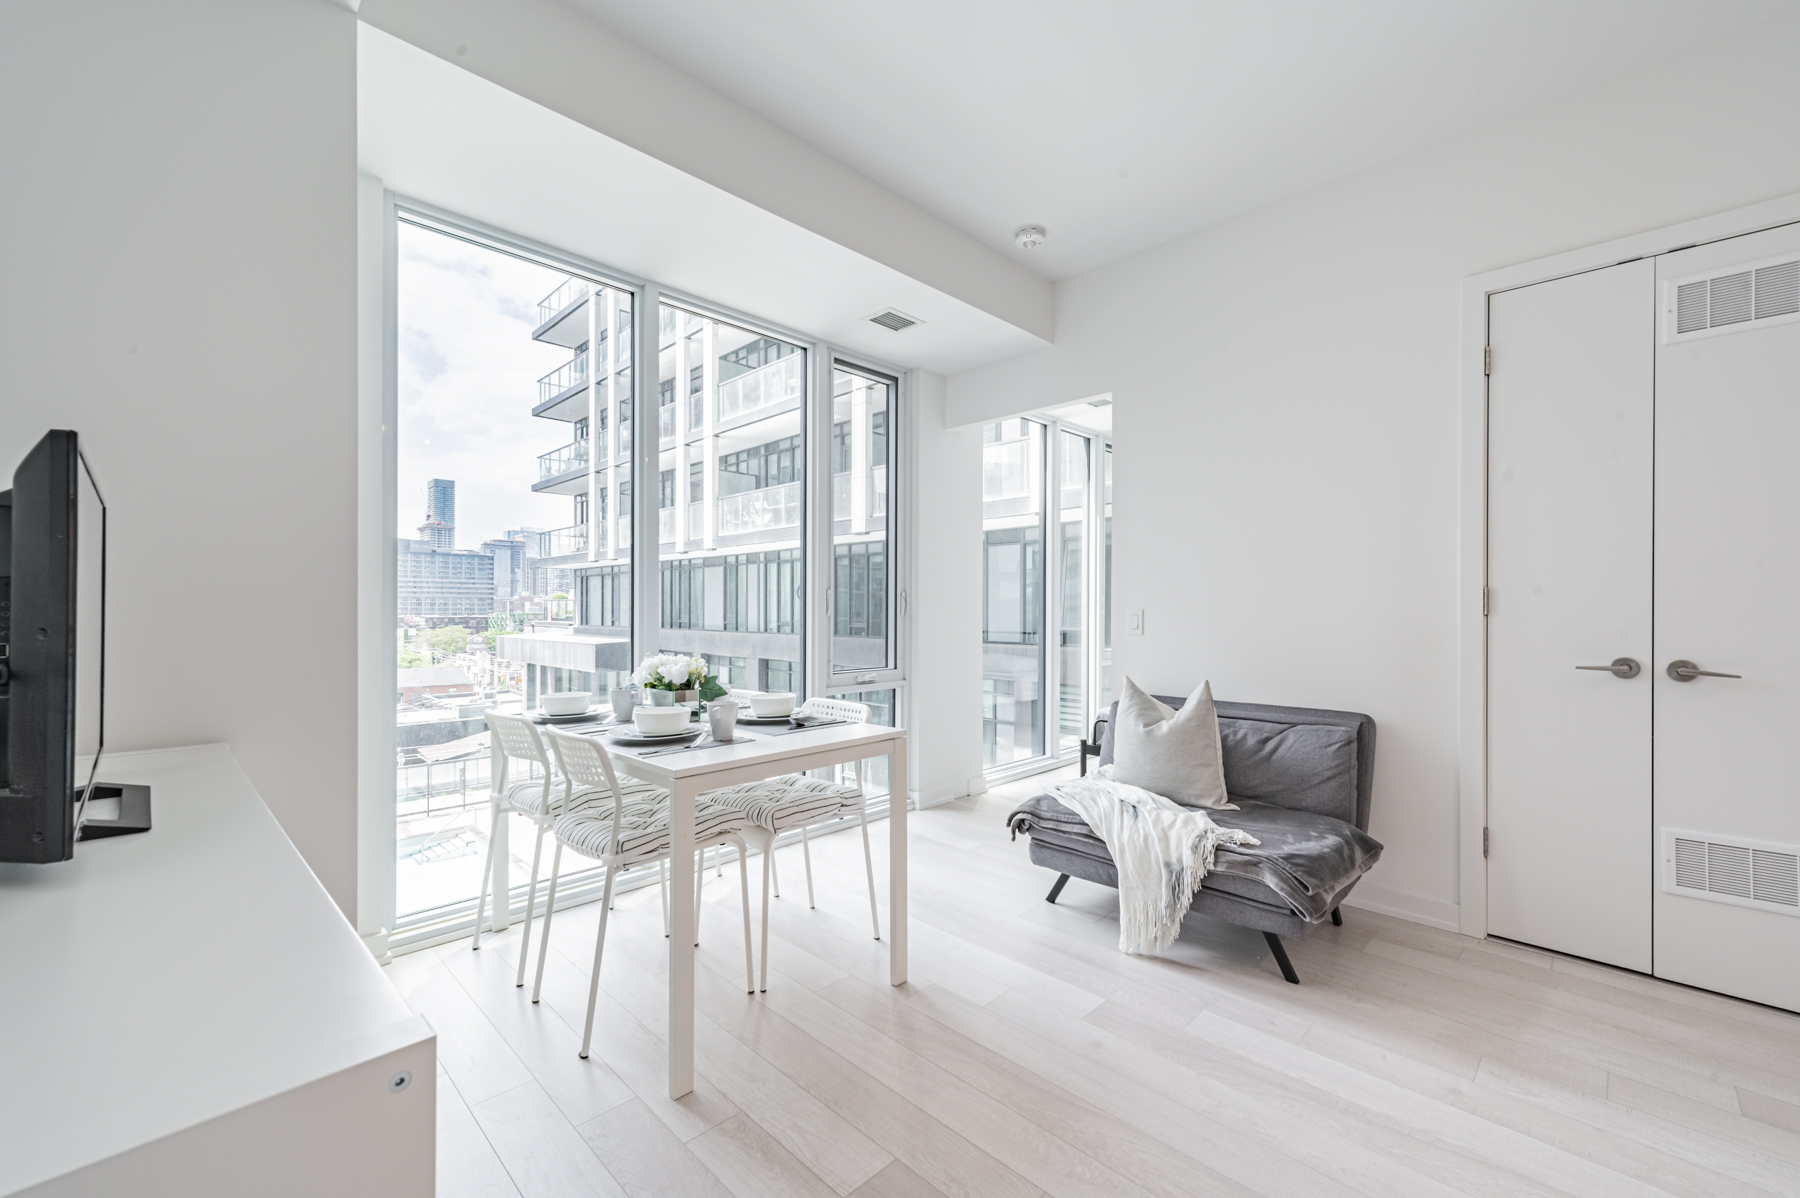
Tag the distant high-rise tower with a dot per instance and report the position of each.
(438, 535)
(440, 513)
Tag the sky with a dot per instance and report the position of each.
(468, 374)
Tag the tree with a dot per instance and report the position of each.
(454, 639)
(412, 659)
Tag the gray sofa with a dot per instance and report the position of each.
(1302, 778)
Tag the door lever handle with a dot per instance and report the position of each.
(1622, 667)
(1687, 671)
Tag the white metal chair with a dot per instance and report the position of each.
(632, 830)
(772, 807)
(516, 739)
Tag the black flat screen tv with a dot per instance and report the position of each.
(53, 660)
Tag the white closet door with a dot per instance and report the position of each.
(1570, 427)
(1727, 598)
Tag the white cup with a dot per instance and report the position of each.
(723, 714)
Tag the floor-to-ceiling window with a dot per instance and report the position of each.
(733, 462)
(513, 387)
(515, 579)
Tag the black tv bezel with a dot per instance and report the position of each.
(38, 781)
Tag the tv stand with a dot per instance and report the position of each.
(132, 805)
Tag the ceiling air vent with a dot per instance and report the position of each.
(1749, 296)
(895, 320)
(1746, 873)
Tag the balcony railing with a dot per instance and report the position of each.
(572, 373)
(665, 525)
(780, 381)
(561, 542)
(840, 495)
(667, 412)
(573, 456)
(562, 297)
(760, 511)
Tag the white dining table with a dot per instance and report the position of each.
(766, 753)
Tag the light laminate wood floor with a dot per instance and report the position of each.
(1028, 1056)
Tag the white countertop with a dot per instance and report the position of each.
(162, 979)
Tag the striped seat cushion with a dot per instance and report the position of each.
(527, 798)
(643, 823)
(786, 802)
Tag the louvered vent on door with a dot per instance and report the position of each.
(1748, 296)
(1747, 873)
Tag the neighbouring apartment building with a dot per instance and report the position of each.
(730, 495)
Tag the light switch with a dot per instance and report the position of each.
(1134, 622)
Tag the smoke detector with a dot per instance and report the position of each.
(1029, 237)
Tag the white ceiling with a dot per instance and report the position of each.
(434, 132)
(1118, 126)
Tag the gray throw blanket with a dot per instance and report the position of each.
(1307, 859)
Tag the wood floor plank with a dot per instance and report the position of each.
(544, 1154)
(1116, 1143)
(754, 1165)
(467, 1166)
(645, 1157)
(897, 1181)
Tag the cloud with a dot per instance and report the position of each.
(468, 372)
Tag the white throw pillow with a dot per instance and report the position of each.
(1172, 753)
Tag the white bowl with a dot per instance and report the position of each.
(566, 702)
(769, 706)
(661, 721)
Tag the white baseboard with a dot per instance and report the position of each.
(377, 943)
(937, 796)
(1414, 908)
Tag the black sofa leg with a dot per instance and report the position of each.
(1281, 958)
(1337, 918)
(1057, 889)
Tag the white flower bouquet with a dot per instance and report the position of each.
(671, 672)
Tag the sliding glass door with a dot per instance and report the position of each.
(1046, 566)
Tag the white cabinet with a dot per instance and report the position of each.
(184, 1012)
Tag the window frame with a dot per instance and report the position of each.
(376, 863)
(900, 429)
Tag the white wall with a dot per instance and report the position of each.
(943, 617)
(178, 186)
(1286, 395)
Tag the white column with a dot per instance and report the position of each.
(596, 443)
(682, 532)
(709, 449)
(859, 456)
(646, 576)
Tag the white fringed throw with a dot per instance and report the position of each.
(1162, 851)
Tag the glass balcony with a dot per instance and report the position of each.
(665, 525)
(667, 412)
(570, 374)
(573, 456)
(779, 382)
(840, 495)
(561, 542)
(760, 511)
(562, 297)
